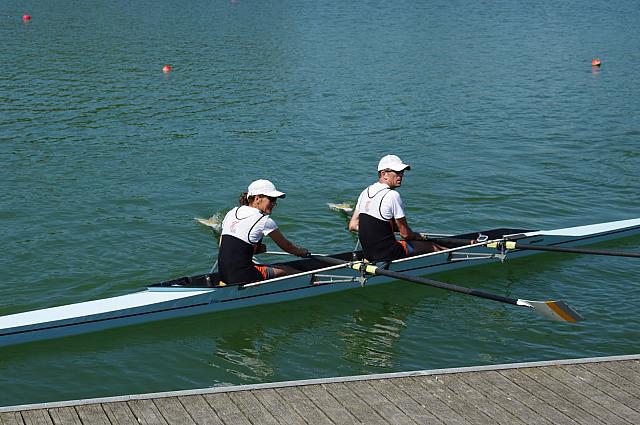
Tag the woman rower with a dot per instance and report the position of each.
(242, 231)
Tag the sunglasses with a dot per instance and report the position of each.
(388, 170)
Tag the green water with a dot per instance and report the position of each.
(105, 161)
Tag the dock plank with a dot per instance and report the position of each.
(303, 405)
(279, 407)
(469, 402)
(416, 411)
(624, 371)
(200, 410)
(534, 402)
(605, 405)
(146, 412)
(172, 411)
(550, 397)
(252, 409)
(520, 412)
(92, 414)
(335, 411)
(37, 417)
(11, 418)
(65, 415)
(527, 379)
(119, 413)
(417, 388)
(226, 410)
(387, 410)
(567, 391)
(358, 408)
(446, 404)
(617, 387)
(579, 376)
(633, 365)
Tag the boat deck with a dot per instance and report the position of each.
(603, 390)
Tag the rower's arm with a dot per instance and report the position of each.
(406, 232)
(286, 245)
(355, 221)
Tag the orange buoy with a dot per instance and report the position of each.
(166, 69)
(26, 18)
(596, 62)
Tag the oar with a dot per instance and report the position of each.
(517, 245)
(344, 207)
(555, 310)
(287, 253)
(346, 210)
(215, 223)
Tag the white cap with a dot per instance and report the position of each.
(264, 187)
(392, 162)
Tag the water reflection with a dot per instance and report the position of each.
(370, 339)
(310, 338)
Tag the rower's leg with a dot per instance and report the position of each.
(282, 270)
(270, 272)
(423, 247)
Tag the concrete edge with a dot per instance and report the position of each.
(316, 381)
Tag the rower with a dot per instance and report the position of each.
(380, 212)
(242, 231)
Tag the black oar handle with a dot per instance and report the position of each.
(375, 270)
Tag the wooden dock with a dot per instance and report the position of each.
(603, 390)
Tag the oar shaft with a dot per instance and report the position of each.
(577, 250)
(372, 269)
(287, 253)
(447, 286)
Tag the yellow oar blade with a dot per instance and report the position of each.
(554, 310)
(343, 207)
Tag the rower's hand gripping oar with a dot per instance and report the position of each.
(518, 245)
(555, 310)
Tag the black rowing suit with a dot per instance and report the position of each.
(242, 231)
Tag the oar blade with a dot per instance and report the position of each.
(343, 207)
(212, 222)
(554, 310)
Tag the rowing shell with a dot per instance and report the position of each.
(201, 294)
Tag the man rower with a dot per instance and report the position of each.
(242, 231)
(380, 211)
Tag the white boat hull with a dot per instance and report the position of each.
(175, 299)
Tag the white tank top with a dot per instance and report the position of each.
(247, 224)
(380, 202)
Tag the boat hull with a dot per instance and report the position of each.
(196, 295)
